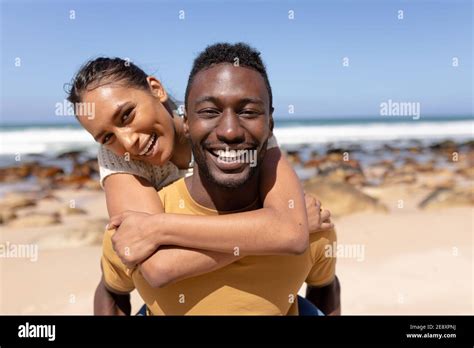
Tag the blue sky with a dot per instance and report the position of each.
(404, 60)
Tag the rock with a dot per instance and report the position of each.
(446, 147)
(469, 144)
(442, 198)
(47, 172)
(14, 200)
(342, 198)
(69, 154)
(35, 220)
(426, 167)
(67, 210)
(342, 171)
(467, 172)
(92, 185)
(16, 173)
(415, 149)
(398, 178)
(442, 180)
(91, 232)
(7, 215)
(313, 163)
(293, 157)
(72, 180)
(87, 168)
(88, 232)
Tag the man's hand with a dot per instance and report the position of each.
(135, 238)
(319, 220)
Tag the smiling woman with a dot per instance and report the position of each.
(145, 146)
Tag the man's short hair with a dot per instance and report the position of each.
(223, 52)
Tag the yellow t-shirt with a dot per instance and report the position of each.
(253, 285)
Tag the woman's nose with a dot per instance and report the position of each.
(129, 140)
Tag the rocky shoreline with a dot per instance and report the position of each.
(337, 177)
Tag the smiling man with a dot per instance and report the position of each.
(229, 116)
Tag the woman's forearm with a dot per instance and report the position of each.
(258, 232)
(171, 264)
(280, 227)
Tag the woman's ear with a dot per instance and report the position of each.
(271, 122)
(157, 89)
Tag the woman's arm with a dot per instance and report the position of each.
(280, 227)
(167, 264)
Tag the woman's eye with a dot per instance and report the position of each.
(106, 139)
(125, 117)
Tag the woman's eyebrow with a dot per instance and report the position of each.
(118, 111)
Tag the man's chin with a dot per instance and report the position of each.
(231, 180)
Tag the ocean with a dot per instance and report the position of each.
(53, 139)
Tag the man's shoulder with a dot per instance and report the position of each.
(172, 191)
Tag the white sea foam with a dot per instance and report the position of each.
(52, 140)
(315, 134)
(49, 141)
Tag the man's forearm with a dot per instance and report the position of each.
(110, 303)
(171, 264)
(327, 298)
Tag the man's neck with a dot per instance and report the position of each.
(218, 198)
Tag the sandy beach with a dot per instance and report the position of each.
(405, 243)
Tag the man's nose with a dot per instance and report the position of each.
(229, 129)
(128, 139)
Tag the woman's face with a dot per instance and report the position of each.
(130, 121)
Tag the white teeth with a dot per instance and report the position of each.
(230, 154)
(148, 145)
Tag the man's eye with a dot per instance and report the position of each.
(208, 112)
(249, 112)
(106, 139)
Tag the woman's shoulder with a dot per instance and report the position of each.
(159, 176)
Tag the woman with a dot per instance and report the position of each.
(143, 149)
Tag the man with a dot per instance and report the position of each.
(228, 108)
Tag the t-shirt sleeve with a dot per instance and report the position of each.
(110, 163)
(324, 261)
(272, 142)
(116, 275)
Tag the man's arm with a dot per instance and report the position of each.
(326, 298)
(108, 302)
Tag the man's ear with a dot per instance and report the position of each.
(157, 89)
(185, 125)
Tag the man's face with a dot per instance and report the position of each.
(228, 123)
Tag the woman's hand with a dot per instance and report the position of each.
(319, 220)
(135, 238)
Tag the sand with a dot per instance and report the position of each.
(414, 261)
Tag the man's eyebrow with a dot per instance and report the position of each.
(118, 110)
(247, 100)
(251, 101)
(206, 98)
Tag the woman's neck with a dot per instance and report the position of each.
(182, 148)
